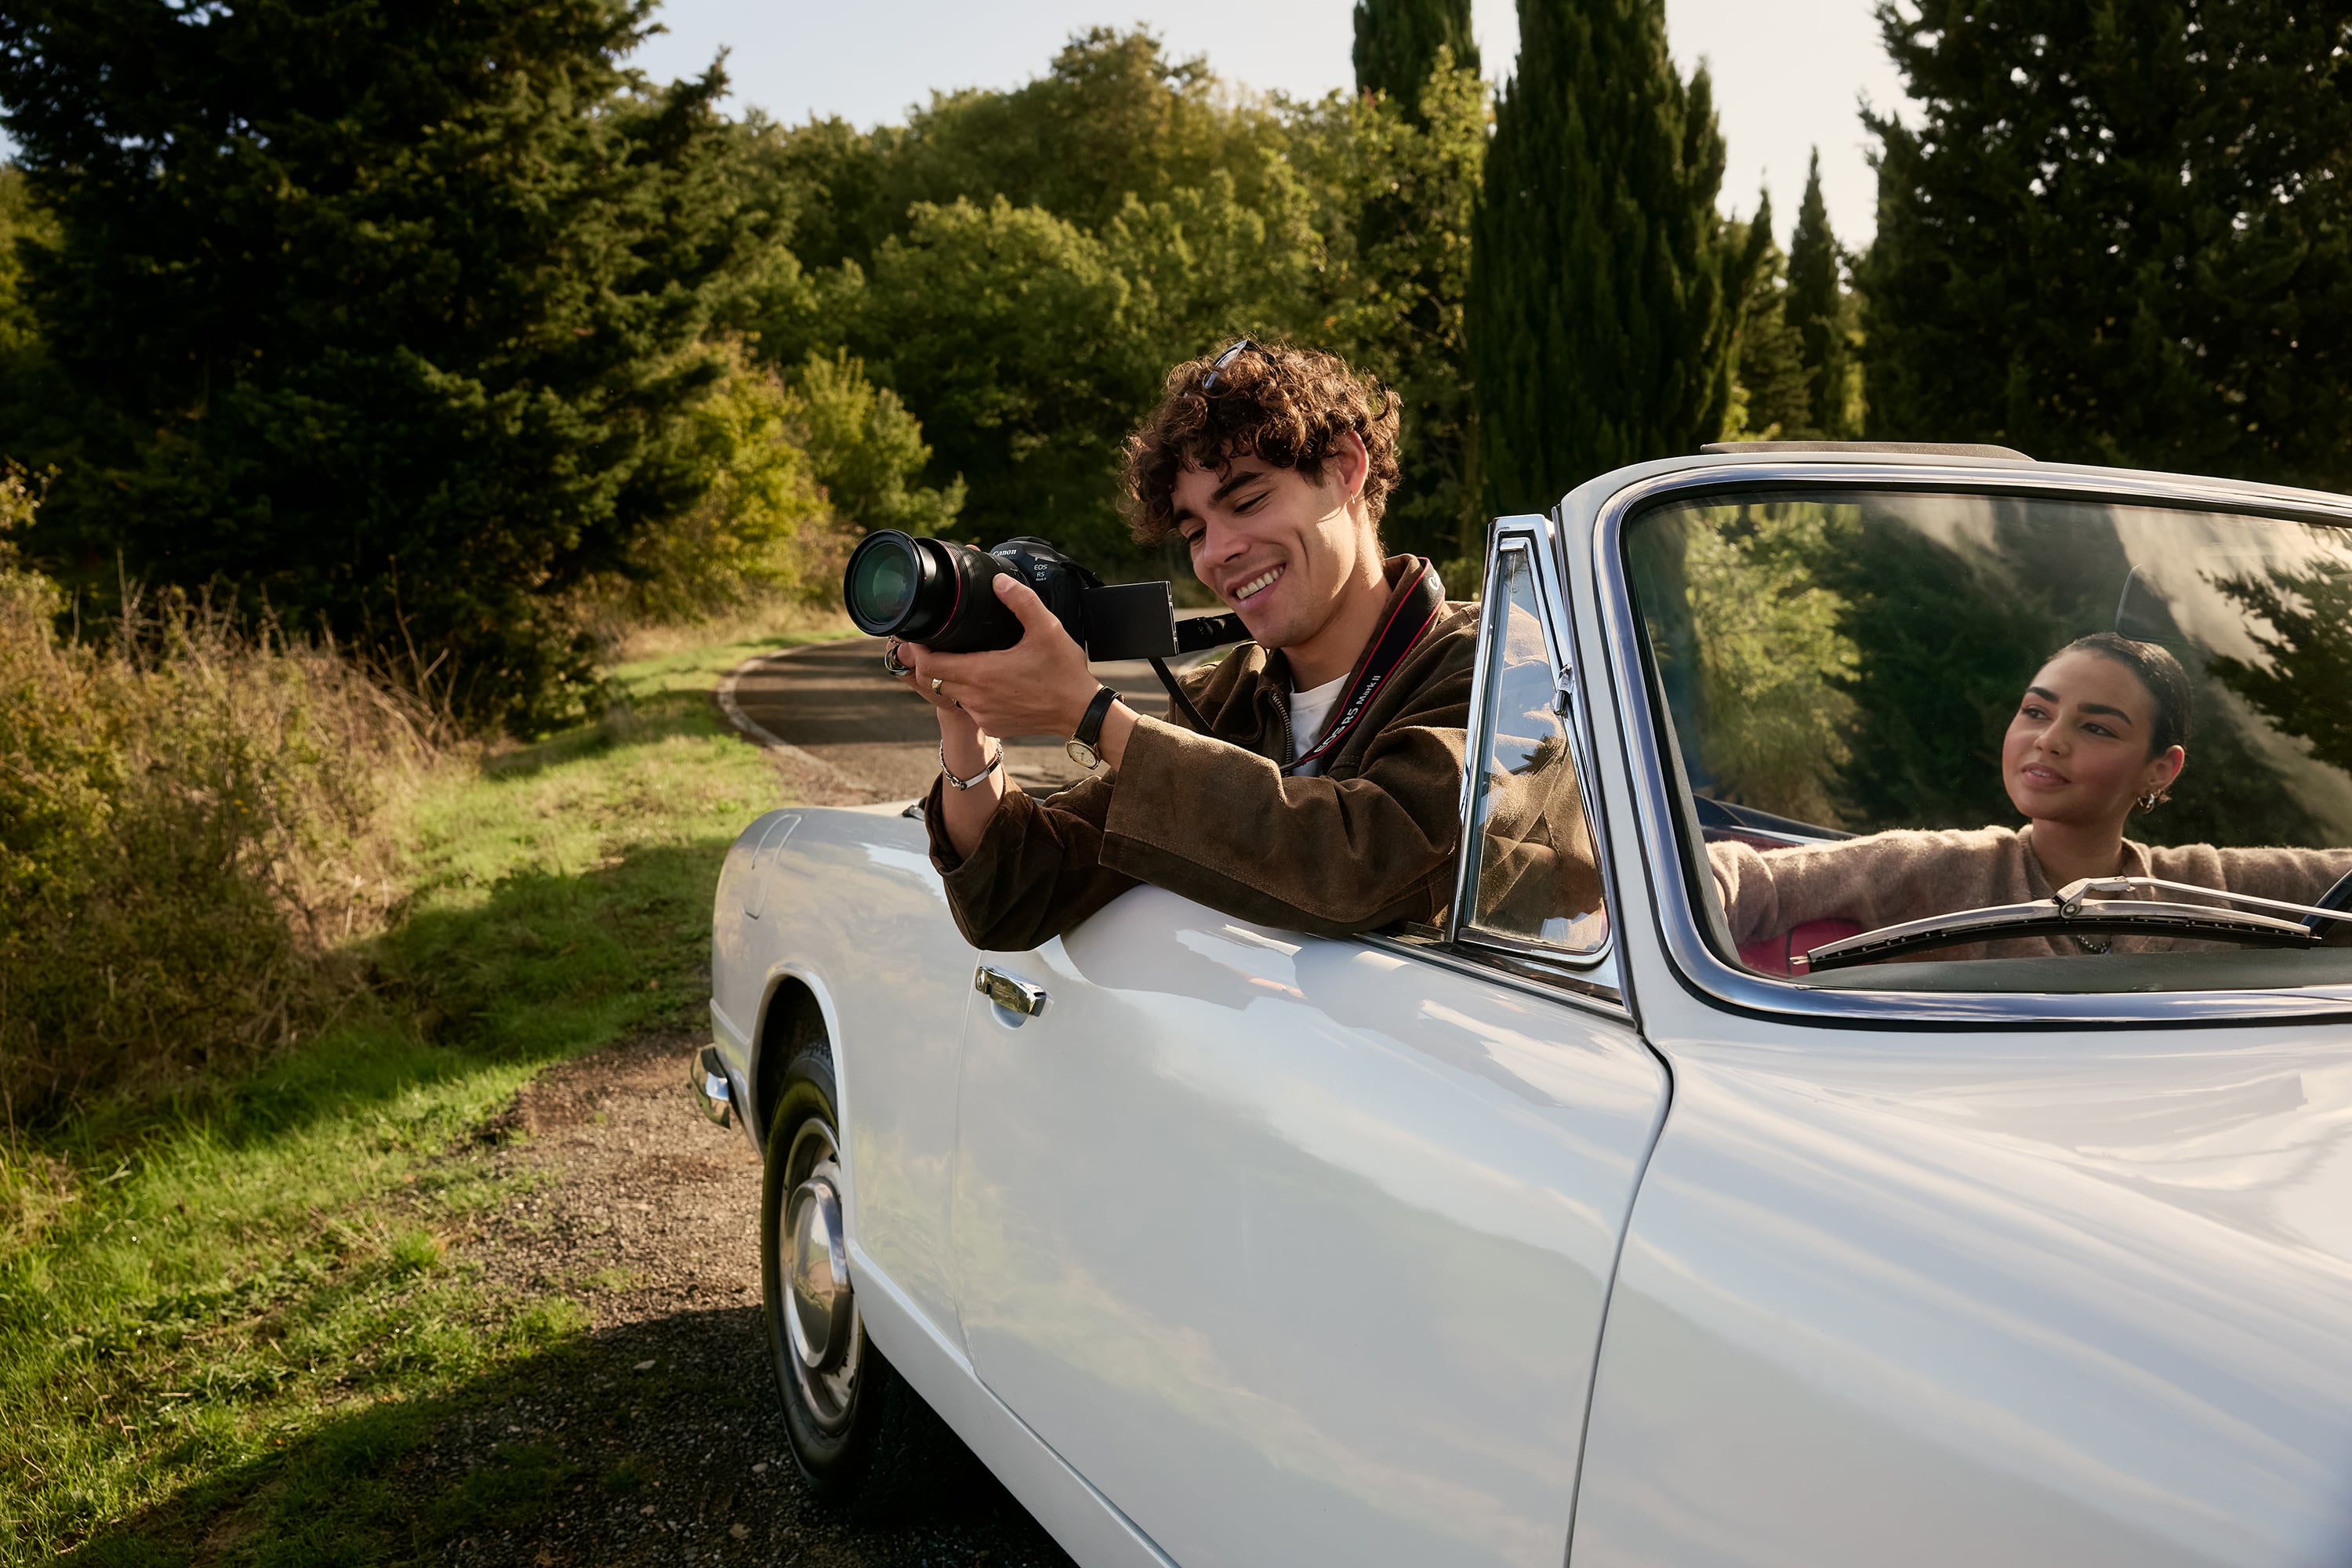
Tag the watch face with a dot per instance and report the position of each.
(1083, 754)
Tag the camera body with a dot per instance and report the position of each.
(942, 595)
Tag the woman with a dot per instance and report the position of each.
(2100, 733)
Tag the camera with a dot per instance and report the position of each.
(942, 595)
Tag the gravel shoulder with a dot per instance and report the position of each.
(664, 1428)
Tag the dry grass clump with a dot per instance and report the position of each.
(194, 818)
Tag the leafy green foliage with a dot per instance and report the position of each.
(2118, 232)
(1010, 329)
(1021, 268)
(1603, 295)
(762, 523)
(1407, 173)
(391, 314)
(868, 450)
(1399, 44)
(1775, 661)
(1111, 118)
(22, 224)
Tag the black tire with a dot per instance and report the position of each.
(866, 1443)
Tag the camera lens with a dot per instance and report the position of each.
(930, 591)
(881, 582)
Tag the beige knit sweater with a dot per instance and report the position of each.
(1889, 878)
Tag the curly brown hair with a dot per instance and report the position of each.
(1274, 401)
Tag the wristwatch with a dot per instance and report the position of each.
(1090, 731)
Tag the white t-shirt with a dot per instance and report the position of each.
(1308, 709)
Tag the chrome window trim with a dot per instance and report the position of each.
(1679, 923)
(1550, 982)
(1589, 975)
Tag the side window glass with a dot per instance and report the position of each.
(1536, 878)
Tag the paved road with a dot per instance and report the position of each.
(833, 700)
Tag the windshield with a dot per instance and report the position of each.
(1886, 707)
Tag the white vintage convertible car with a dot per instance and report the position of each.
(1576, 1230)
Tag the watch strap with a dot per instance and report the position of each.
(1089, 729)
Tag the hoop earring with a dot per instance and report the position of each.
(2149, 802)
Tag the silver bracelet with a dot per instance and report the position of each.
(948, 772)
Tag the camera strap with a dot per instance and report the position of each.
(1191, 636)
(1416, 611)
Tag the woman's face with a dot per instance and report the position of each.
(2077, 750)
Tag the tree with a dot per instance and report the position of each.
(1012, 334)
(29, 390)
(1603, 292)
(1817, 309)
(390, 312)
(1772, 401)
(1111, 117)
(2306, 688)
(1397, 45)
(1400, 192)
(2119, 232)
(1181, 214)
(868, 450)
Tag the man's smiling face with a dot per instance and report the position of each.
(1278, 548)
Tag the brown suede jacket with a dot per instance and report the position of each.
(1212, 817)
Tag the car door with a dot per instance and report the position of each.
(1295, 1248)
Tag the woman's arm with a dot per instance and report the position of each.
(1879, 880)
(2294, 876)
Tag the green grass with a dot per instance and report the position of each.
(221, 1325)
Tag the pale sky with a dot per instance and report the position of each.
(1788, 73)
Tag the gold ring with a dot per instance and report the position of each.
(938, 681)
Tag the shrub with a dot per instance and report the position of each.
(869, 450)
(760, 529)
(191, 825)
(792, 474)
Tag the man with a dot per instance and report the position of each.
(1325, 795)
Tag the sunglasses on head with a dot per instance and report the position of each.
(1216, 366)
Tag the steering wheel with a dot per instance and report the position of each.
(2339, 897)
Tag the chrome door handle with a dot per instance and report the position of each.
(1012, 995)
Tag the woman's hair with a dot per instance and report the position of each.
(1273, 401)
(2158, 671)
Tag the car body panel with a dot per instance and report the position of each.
(1298, 1248)
(854, 912)
(1969, 1299)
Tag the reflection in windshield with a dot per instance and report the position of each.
(1858, 662)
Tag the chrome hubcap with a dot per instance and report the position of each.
(820, 1282)
(820, 1311)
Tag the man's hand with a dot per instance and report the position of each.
(1039, 686)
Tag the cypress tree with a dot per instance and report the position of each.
(1771, 351)
(1604, 288)
(1396, 43)
(1817, 308)
(2119, 232)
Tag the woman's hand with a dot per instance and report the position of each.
(1039, 686)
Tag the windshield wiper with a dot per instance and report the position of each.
(2090, 907)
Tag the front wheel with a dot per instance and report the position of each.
(861, 1437)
